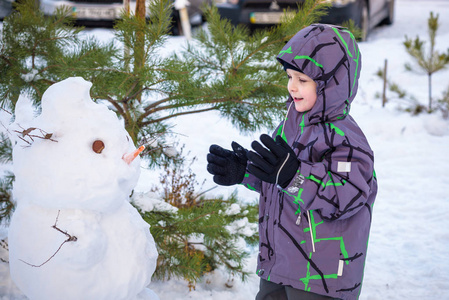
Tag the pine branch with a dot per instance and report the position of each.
(177, 115)
(6, 203)
(114, 103)
(178, 106)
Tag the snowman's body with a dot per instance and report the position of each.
(107, 260)
(74, 235)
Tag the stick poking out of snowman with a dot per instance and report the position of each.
(74, 235)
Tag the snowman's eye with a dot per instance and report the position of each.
(98, 146)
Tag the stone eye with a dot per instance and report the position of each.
(98, 146)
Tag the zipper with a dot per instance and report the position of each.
(285, 119)
(311, 232)
(298, 222)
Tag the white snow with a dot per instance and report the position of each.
(151, 201)
(24, 112)
(180, 4)
(69, 115)
(409, 242)
(31, 76)
(233, 209)
(242, 226)
(74, 235)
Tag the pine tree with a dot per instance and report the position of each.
(195, 234)
(430, 62)
(224, 68)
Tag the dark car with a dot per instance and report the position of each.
(5, 8)
(104, 12)
(257, 13)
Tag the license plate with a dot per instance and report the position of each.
(95, 13)
(266, 17)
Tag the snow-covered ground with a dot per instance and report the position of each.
(409, 244)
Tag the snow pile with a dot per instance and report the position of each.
(234, 209)
(73, 234)
(151, 201)
(33, 75)
(180, 4)
(243, 227)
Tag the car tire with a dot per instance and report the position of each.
(176, 28)
(390, 14)
(364, 20)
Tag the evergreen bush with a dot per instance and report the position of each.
(431, 61)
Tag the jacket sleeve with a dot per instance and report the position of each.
(252, 182)
(338, 186)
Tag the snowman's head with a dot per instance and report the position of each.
(86, 163)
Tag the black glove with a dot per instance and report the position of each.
(228, 167)
(277, 164)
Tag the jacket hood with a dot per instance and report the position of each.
(330, 56)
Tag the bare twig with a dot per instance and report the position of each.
(206, 191)
(27, 133)
(70, 238)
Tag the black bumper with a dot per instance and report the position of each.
(238, 14)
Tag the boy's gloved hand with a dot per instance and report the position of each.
(277, 164)
(228, 167)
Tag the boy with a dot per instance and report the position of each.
(315, 178)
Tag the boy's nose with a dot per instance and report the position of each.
(293, 88)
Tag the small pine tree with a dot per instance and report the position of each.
(198, 234)
(430, 62)
(406, 102)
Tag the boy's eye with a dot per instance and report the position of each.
(289, 77)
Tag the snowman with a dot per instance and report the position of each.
(73, 234)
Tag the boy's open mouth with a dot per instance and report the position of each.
(297, 99)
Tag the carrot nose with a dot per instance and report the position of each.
(129, 157)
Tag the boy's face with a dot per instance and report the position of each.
(302, 88)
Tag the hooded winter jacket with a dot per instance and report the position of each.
(313, 234)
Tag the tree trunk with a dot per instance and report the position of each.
(140, 9)
(139, 47)
(384, 92)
